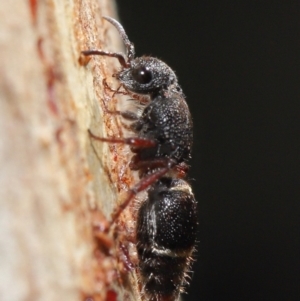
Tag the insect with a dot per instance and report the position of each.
(161, 143)
(163, 134)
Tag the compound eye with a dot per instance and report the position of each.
(142, 75)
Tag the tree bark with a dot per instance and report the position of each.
(56, 183)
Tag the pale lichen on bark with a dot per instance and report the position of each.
(52, 174)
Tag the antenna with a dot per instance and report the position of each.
(130, 51)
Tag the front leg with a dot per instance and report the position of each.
(141, 99)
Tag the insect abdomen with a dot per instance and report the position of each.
(166, 234)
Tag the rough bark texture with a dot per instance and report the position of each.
(55, 181)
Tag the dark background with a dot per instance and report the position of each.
(238, 64)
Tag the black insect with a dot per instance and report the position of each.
(162, 142)
(166, 234)
(163, 133)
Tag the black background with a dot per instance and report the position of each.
(238, 64)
